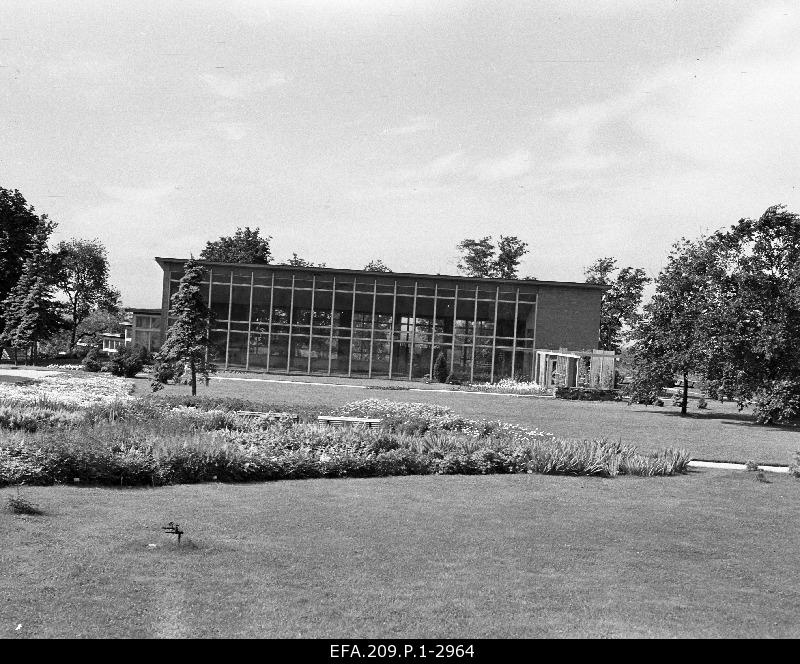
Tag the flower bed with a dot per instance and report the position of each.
(119, 456)
(154, 443)
(508, 386)
(68, 391)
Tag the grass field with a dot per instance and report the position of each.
(719, 433)
(709, 554)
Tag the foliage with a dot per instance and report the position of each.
(297, 261)
(128, 361)
(440, 368)
(376, 266)
(587, 394)
(478, 257)
(82, 275)
(92, 361)
(187, 339)
(777, 401)
(29, 312)
(115, 455)
(675, 333)
(620, 303)
(794, 465)
(20, 226)
(727, 308)
(244, 246)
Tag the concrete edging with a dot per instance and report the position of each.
(726, 465)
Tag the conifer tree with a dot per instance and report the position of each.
(30, 313)
(187, 339)
(440, 368)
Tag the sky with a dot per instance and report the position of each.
(356, 130)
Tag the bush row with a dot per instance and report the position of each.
(122, 456)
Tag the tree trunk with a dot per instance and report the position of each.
(74, 323)
(194, 377)
(685, 393)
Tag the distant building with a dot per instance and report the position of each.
(293, 320)
(146, 325)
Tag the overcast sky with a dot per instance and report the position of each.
(364, 129)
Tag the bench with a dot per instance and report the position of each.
(270, 417)
(340, 421)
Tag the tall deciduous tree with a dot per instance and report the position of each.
(187, 339)
(760, 323)
(19, 227)
(480, 258)
(244, 246)
(510, 251)
(82, 275)
(620, 302)
(679, 330)
(727, 308)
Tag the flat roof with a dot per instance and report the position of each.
(388, 275)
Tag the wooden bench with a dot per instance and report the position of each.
(270, 417)
(340, 421)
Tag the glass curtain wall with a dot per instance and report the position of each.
(324, 323)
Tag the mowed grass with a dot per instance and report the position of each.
(709, 554)
(720, 433)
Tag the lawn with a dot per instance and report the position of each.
(708, 554)
(719, 433)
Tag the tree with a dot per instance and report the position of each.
(29, 310)
(679, 330)
(376, 266)
(620, 303)
(759, 325)
(244, 246)
(19, 227)
(296, 261)
(510, 251)
(478, 257)
(187, 339)
(81, 272)
(727, 308)
(440, 368)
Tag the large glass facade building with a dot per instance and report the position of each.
(293, 320)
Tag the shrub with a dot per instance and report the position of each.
(587, 394)
(453, 379)
(92, 362)
(440, 370)
(794, 465)
(777, 402)
(751, 465)
(20, 505)
(702, 404)
(128, 361)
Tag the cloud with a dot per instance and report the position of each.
(512, 165)
(139, 195)
(415, 125)
(733, 108)
(233, 131)
(80, 64)
(446, 165)
(243, 86)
